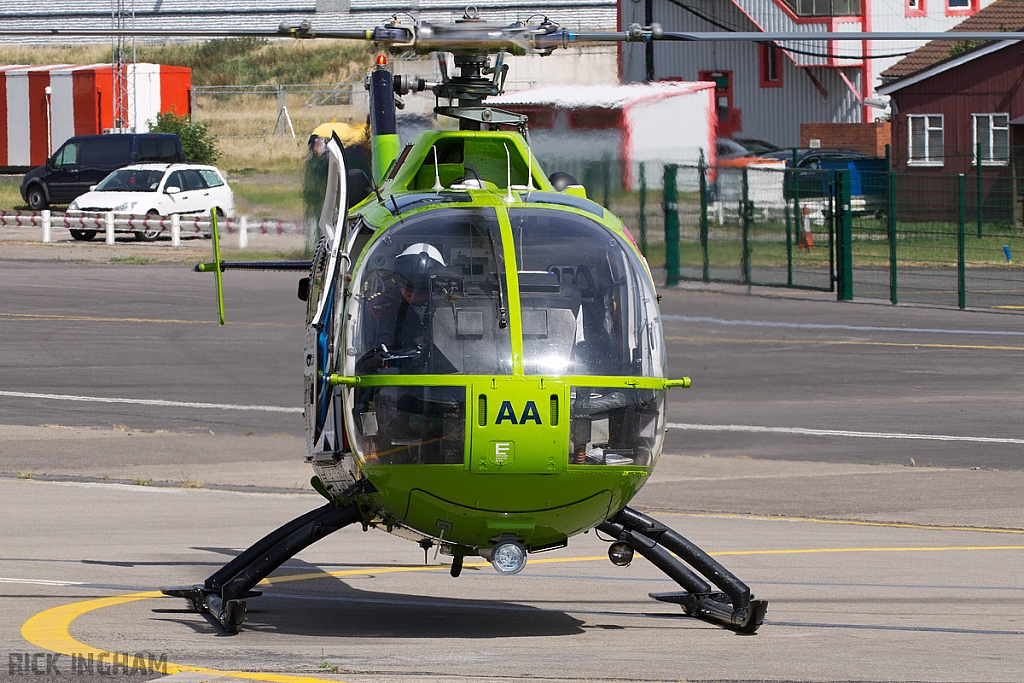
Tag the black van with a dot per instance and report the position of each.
(85, 160)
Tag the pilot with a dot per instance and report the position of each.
(401, 324)
(413, 421)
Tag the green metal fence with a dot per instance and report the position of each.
(954, 240)
(949, 241)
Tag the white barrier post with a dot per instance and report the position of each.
(110, 227)
(175, 230)
(243, 233)
(46, 226)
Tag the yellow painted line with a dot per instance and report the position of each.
(51, 629)
(101, 319)
(895, 549)
(827, 342)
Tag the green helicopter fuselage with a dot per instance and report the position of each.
(497, 356)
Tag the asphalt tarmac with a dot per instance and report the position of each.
(859, 465)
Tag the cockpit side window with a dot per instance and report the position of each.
(426, 298)
(588, 306)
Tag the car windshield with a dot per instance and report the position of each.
(131, 180)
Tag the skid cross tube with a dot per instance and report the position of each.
(733, 607)
(223, 594)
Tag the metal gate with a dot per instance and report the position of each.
(753, 225)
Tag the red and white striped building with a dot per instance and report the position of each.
(42, 106)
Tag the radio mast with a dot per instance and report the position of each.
(122, 14)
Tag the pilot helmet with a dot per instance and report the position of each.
(412, 267)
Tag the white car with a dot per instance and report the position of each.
(157, 190)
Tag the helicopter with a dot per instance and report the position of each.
(485, 368)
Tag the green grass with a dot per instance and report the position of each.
(227, 61)
(277, 197)
(935, 250)
(918, 245)
(10, 193)
(252, 255)
(257, 61)
(131, 260)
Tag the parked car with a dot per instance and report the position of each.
(731, 153)
(755, 146)
(868, 175)
(830, 157)
(157, 190)
(84, 160)
(727, 148)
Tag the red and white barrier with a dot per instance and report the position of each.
(111, 223)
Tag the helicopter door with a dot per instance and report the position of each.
(321, 428)
(324, 432)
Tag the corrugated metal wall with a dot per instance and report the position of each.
(772, 114)
(36, 122)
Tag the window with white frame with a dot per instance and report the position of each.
(954, 7)
(926, 144)
(992, 139)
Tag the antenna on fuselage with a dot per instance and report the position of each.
(437, 174)
(529, 167)
(508, 176)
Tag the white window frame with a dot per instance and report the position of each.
(929, 131)
(991, 144)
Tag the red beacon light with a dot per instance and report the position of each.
(382, 60)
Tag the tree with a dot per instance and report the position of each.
(200, 147)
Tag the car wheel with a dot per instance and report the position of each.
(36, 198)
(149, 234)
(83, 235)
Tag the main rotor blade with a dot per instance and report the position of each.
(429, 37)
(754, 36)
(299, 31)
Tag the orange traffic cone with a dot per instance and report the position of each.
(804, 239)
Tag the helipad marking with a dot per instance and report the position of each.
(846, 342)
(829, 326)
(51, 629)
(803, 431)
(104, 319)
(152, 402)
(41, 582)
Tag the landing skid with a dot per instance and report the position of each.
(223, 595)
(731, 606)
